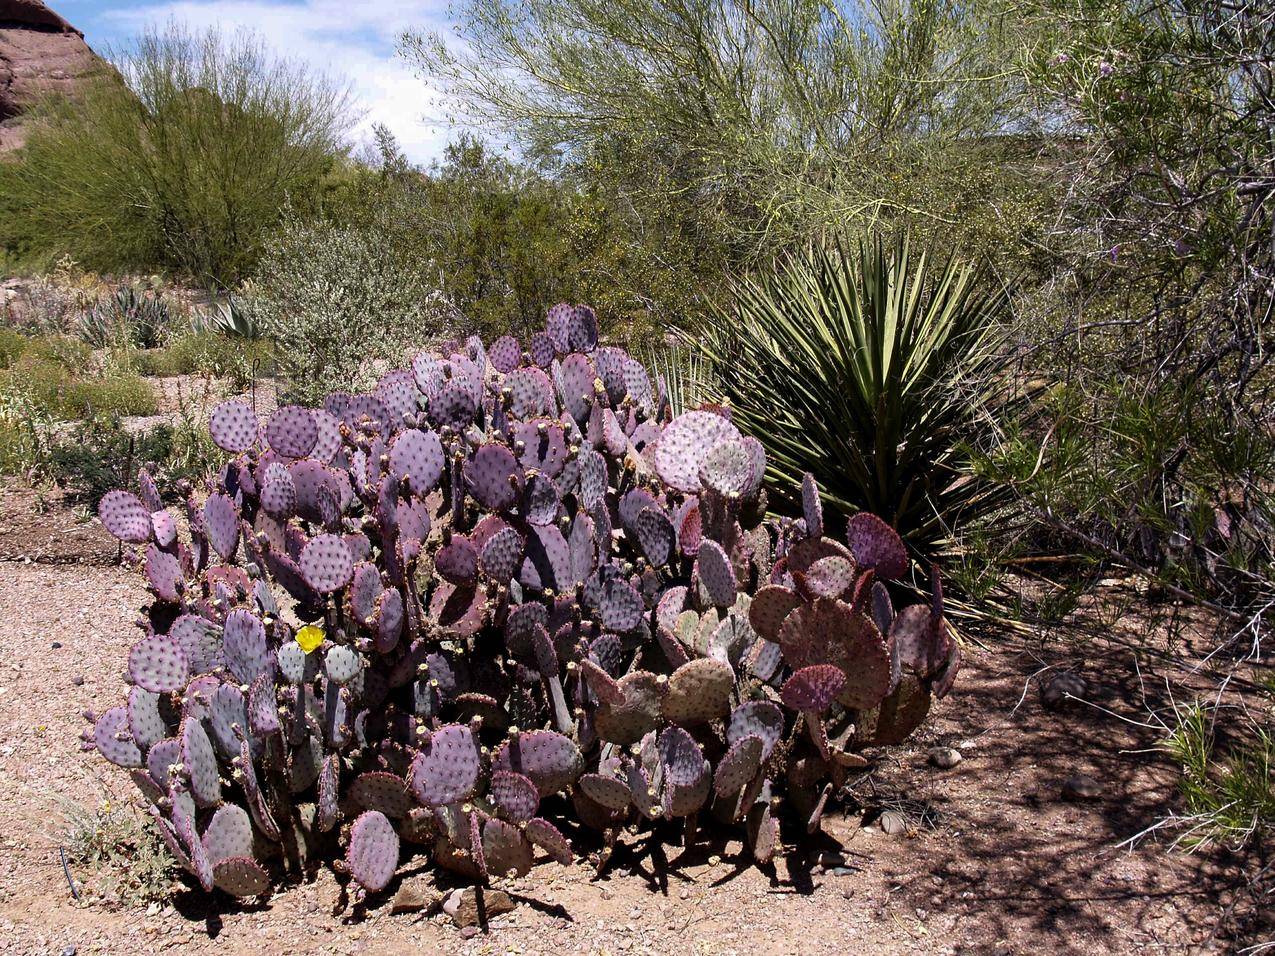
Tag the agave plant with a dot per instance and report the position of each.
(235, 320)
(869, 367)
(127, 317)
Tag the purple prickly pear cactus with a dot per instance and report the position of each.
(424, 611)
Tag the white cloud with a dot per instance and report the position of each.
(352, 40)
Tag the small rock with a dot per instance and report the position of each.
(1058, 691)
(468, 932)
(465, 912)
(56, 645)
(410, 898)
(1081, 787)
(77, 680)
(69, 951)
(893, 823)
(841, 871)
(945, 758)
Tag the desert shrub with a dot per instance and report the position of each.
(205, 353)
(97, 455)
(122, 850)
(505, 590)
(749, 128)
(1157, 453)
(874, 370)
(61, 350)
(115, 393)
(500, 237)
(181, 157)
(62, 393)
(12, 344)
(341, 307)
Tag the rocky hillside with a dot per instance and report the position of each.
(40, 53)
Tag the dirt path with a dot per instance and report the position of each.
(995, 862)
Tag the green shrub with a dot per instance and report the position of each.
(340, 306)
(99, 454)
(123, 852)
(61, 350)
(54, 389)
(1229, 791)
(871, 369)
(182, 157)
(12, 344)
(116, 393)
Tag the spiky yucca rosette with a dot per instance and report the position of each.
(502, 576)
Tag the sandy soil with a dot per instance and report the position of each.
(995, 861)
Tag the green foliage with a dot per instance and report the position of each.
(873, 369)
(340, 305)
(56, 349)
(204, 353)
(1229, 795)
(99, 454)
(716, 134)
(126, 858)
(182, 159)
(503, 241)
(51, 377)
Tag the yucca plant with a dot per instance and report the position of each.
(869, 366)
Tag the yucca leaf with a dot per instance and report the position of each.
(867, 365)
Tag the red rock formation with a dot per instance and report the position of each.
(40, 53)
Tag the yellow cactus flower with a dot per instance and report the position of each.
(310, 637)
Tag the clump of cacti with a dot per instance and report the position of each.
(415, 615)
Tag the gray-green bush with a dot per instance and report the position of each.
(341, 307)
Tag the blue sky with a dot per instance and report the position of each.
(351, 39)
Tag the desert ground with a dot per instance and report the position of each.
(997, 854)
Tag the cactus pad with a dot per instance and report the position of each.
(713, 568)
(446, 768)
(813, 688)
(877, 546)
(699, 691)
(200, 761)
(233, 427)
(738, 765)
(113, 740)
(241, 876)
(164, 574)
(760, 718)
(552, 761)
(417, 459)
(245, 647)
(549, 838)
(685, 444)
(326, 563)
(373, 852)
(229, 834)
(124, 516)
(292, 431)
(384, 792)
(158, 664)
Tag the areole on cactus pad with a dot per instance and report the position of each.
(503, 586)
